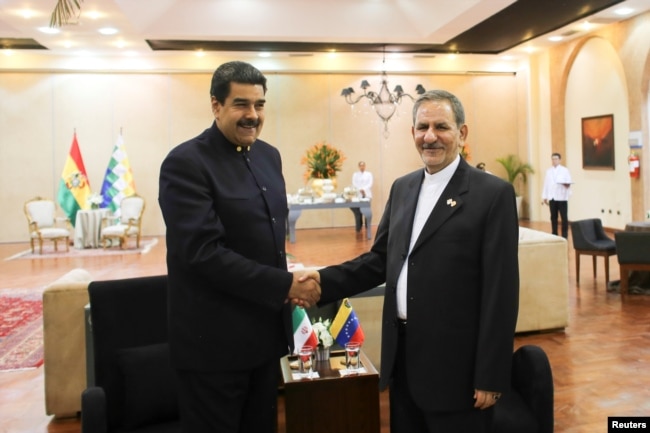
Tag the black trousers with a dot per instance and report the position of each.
(358, 218)
(561, 208)
(407, 417)
(229, 402)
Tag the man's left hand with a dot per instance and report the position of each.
(485, 399)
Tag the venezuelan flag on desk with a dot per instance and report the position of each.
(303, 333)
(346, 327)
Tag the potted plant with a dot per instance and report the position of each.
(517, 174)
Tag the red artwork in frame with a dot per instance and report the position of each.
(598, 142)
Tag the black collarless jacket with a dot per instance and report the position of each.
(225, 211)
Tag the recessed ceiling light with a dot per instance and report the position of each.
(623, 11)
(199, 53)
(555, 38)
(108, 31)
(27, 13)
(93, 15)
(264, 54)
(49, 30)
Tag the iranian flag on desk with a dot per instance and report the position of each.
(303, 333)
(74, 188)
(345, 326)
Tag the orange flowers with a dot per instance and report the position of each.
(464, 152)
(323, 161)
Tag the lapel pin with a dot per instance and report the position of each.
(451, 202)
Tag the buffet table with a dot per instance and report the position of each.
(295, 209)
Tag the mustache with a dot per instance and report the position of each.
(249, 123)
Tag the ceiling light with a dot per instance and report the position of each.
(383, 102)
(27, 13)
(93, 15)
(108, 31)
(49, 30)
(555, 38)
(623, 11)
(264, 54)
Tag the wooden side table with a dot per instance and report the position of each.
(331, 402)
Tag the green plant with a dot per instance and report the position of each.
(515, 169)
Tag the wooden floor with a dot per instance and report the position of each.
(601, 362)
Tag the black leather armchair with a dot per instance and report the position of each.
(134, 389)
(633, 250)
(528, 406)
(589, 238)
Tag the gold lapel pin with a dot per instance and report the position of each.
(451, 202)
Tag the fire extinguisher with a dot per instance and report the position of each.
(635, 167)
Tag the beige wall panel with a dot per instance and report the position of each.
(596, 86)
(26, 167)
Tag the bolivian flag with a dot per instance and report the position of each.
(346, 327)
(74, 188)
(303, 333)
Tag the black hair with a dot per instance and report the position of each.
(237, 72)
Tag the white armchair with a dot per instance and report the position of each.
(43, 224)
(127, 224)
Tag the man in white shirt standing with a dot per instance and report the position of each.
(557, 189)
(362, 182)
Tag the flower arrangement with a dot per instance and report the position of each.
(322, 330)
(95, 200)
(323, 161)
(464, 152)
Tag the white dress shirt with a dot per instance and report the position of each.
(362, 180)
(430, 193)
(554, 184)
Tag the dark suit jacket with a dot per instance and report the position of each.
(225, 213)
(463, 287)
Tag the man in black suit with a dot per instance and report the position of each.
(446, 248)
(223, 198)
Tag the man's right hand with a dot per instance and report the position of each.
(304, 291)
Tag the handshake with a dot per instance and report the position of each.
(305, 289)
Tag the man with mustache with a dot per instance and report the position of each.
(446, 247)
(223, 198)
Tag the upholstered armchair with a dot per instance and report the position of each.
(43, 224)
(127, 224)
(133, 389)
(589, 238)
(528, 405)
(633, 250)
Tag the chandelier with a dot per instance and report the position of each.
(383, 102)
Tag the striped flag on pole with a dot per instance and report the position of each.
(118, 180)
(74, 188)
(303, 333)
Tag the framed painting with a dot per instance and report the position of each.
(598, 142)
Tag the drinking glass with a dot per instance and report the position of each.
(306, 361)
(352, 363)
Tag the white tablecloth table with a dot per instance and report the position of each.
(295, 209)
(87, 228)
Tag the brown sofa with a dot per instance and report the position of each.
(64, 343)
